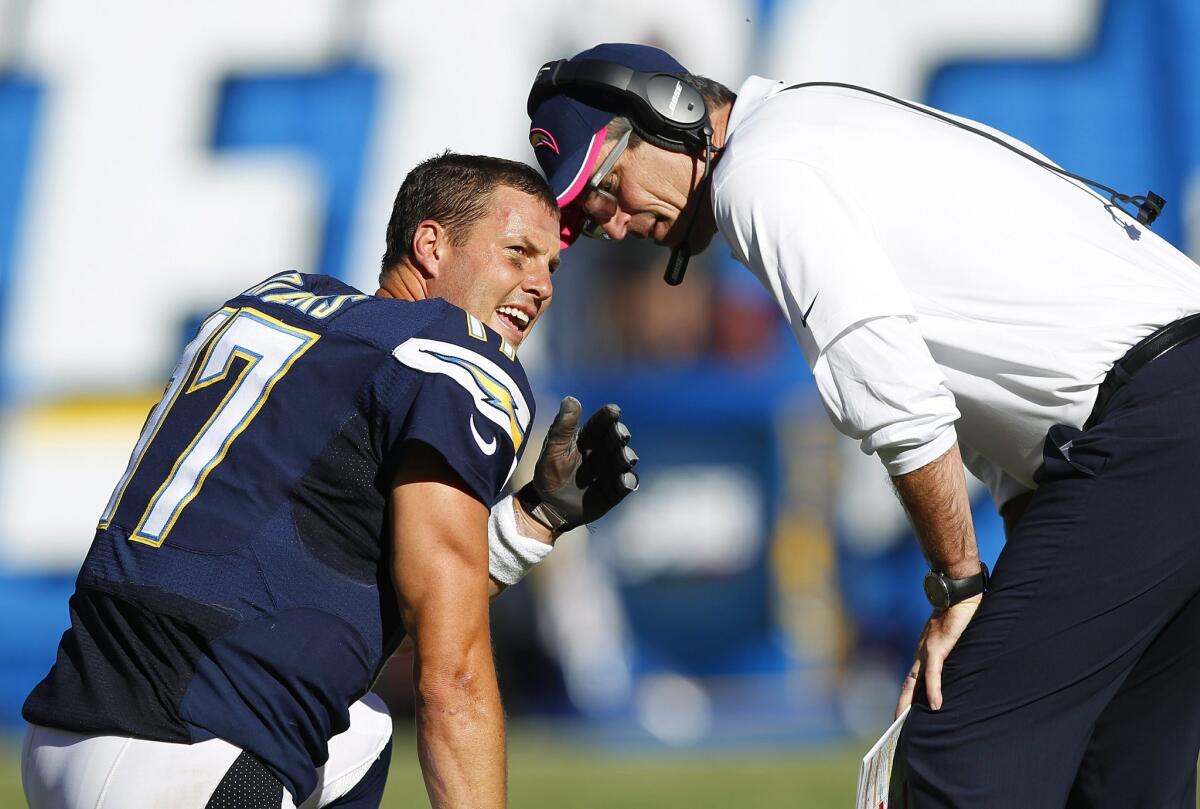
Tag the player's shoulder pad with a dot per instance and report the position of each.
(318, 297)
(458, 346)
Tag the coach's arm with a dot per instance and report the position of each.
(935, 498)
(440, 564)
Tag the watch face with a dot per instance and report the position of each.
(936, 591)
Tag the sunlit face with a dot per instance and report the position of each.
(651, 187)
(501, 272)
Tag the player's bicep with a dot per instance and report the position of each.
(439, 553)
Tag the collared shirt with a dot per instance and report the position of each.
(940, 286)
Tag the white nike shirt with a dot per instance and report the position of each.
(940, 286)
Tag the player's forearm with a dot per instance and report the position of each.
(460, 733)
(935, 498)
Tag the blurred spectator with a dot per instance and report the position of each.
(719, 314)
(747, 325)
(653, 323)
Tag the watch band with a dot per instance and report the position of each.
(538, 509)
(943, 592)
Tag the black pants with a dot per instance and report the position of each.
(1078, 682)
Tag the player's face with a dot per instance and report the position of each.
(652, 187)
(501, 272)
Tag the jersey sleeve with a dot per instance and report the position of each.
(472, 404)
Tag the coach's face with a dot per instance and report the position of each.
(653, 188)
(501, 270)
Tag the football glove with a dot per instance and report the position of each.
(580, 474)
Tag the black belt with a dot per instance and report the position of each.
(1158, 343)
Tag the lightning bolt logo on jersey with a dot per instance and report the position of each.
(496, 395)
(238, 583)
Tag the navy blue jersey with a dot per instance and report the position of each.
(238, 585)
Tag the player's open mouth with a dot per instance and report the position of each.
(514, 317)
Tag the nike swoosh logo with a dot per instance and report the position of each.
(804, 317)
(488, 449)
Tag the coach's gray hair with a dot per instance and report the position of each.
(619, 126)
(715, 95)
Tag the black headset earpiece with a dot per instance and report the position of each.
(665, 110)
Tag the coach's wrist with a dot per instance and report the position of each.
(944, 591)
(962, 569)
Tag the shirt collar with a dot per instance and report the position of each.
(753, 92)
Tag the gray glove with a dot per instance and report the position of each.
(580, 474)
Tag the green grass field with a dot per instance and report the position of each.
(547, 770)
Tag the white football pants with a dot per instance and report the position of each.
(64, 770)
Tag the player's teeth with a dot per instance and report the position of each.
(516, 314)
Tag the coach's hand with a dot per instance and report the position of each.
(941, 632)
(580, 474)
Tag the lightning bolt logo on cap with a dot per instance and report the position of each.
(540, 137)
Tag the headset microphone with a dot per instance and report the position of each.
(677, 264)
(678, 260)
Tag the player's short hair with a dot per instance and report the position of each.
(715, 95)
(455, 191)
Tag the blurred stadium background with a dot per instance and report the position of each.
(744, 623)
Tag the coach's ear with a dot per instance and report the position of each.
(429, 247)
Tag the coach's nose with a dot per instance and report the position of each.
(617, 227)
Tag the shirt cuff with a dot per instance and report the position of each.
(902, 460)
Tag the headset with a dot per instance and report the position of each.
(664, 109)
(670, 113)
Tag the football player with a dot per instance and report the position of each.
(322, 477)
